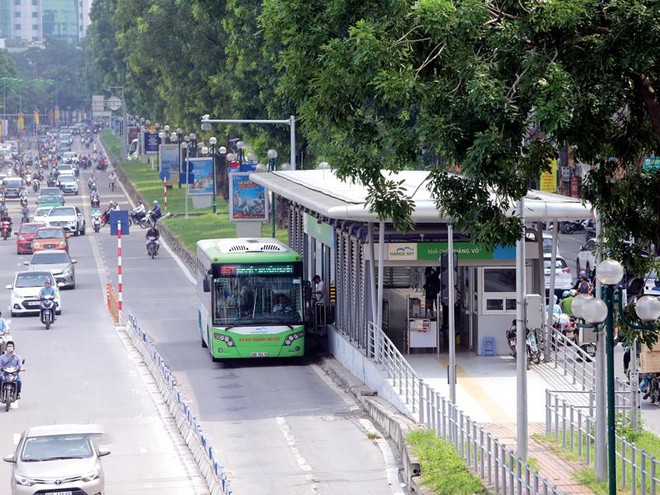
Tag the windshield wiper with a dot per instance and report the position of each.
(62, 458)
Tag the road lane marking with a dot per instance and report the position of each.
(391, 466)
(302, 462)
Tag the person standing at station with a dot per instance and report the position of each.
(319, 291)
(432, 289)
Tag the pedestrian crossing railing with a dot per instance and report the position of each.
(576, 364)
(578, 367)
(190, 429)
(497, 465)
(573, 427)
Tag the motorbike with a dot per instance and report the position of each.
(135, 217)
(26, 217)
(148, 220)
(566, 325)
(6, 229)
(152, 247)
(572, 227)
(35, 185)
(24, 201)
(532, 343)
(51, 181)
(96, 220)
(96, 202)
(47, 309)
(91, 183)
(9, 392)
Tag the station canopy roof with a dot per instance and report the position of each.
(323, 192)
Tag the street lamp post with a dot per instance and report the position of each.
(186, 147)
(595, 311)
(291, 122)
(272, 163)
(213, 149)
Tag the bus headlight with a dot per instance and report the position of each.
(293, 337)
(224, 338)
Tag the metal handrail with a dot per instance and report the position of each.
(497, 465)
(574, 429)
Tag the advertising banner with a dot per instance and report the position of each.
(169, 158)
(247, 200)
(549, 179)
(202, 171)
(151, 142)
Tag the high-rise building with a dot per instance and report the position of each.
(35, 20)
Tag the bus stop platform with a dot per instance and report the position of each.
(486, 391)
(486, 387)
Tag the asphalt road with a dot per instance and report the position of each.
(80, 371)
(279, 427)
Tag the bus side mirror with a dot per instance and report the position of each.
(206, 284)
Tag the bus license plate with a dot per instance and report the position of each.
(259, 354)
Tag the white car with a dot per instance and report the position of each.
(41, 214)
(547, 244)
(586, 258)
(70, 157)
(58, 460)
(563, 277)
(25, 292)
(66, 169)
(70, 218)
(68, 184)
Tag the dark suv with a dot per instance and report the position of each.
(13, 186)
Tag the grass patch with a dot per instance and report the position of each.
(201, 224)
(443, 469)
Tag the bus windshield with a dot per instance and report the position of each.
(256, 294)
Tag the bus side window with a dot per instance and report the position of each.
(206, 283)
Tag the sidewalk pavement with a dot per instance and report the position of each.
(486, 391)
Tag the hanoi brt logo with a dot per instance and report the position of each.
(402, 251)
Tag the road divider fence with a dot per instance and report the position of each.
(184, 418)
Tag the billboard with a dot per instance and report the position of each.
(202, 172)
(169, 158)
(151, 142)
(247, 200)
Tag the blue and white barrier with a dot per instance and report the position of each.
(191, 431)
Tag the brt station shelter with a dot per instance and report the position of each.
(330, 225)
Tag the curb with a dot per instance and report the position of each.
(389, 420)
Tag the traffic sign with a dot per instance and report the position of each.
(114, 103)
(164, 175)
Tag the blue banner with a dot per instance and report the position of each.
(247, 200)
(151, 142)
(202, 171)
(169, 158)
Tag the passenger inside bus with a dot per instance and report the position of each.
(246, 301)
(282, 304)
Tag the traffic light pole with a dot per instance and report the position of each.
(451, 327)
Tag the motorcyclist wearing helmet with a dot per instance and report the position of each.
(155, 212)
(47, 290)
(567, 302)
(152, 235)
(9, 358)
(139, 211)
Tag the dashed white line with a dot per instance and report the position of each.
(302, 462)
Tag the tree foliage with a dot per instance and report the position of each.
(473, 82)
(491, 89)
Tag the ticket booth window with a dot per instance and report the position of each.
(499, 290)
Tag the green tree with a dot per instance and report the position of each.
(472, 82)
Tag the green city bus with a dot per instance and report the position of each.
(250, 298)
